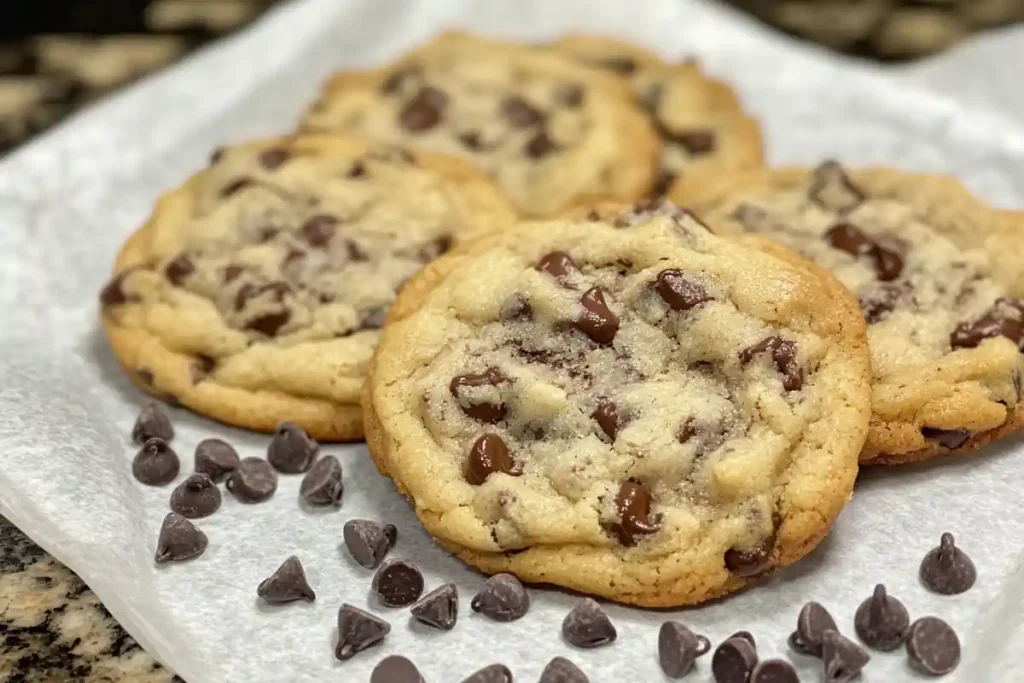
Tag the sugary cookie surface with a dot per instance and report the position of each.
(551, 132)
(274, 269)
(632, 385)
(935, 279)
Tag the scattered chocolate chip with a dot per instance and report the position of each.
(253, 481)
(812, 622)
(179, 540)
(502, 598)
(569, 95)
(747, 636)
(235, 186)
(291, 451)
(495, 673)
(216, 459)
(587, 625)
(561, 670)
(734, 661)
(663, 183)
(424, 111)
(679, 648)
(519, 113)
(318, 230)
(832, 189)
(368, 541)
(540, 145)
(269, 324)
(488, 455)
(678, 291)
(398, 583)
(152, 422)
(156, 463)
(597, 321)
(273, 157)
(753, 561)
(607, 417)
(624, 66)
(323, 484)
(196, 497)
(696, 142)
(485, 412)
(178, 269)
(358, 630)
(783, 353)
(633, 504)
(947, 570)
(396, 669)
(287, 584)
(933, 646)
(774, 671)
(438, 608)
(842, 657)
(949, 438)
(881, 621)
(560, 266)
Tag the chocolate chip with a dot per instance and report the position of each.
(1005, 319)
(888, 257)
(232, 272)
(291, 451)
(274, 157)
(196, 497)
(502, 598)
(113, 293)
(485, 412)
(323, 484)
(287, 584)
(702, 436)
(368, 541)
(358, 630)
(269, 324)
(607, 417)
(842, 657)
(373, 319)
(201, 368)
(949, 438)
(750, 562)
(947, 570)
(812, 622)
(495, 673)
(155, 464)
(145, 376)
(774, 671)
(216, 459)
(597, 320)
(696, 142)
(318, 230)
(624, 66)
(662, 184)
(356, 170)
(488, 455)
(393, 83)
(471, 140)
(587, 625)
(678, 291)
(396, 669)
(570, 95)
(179, 540)
(783, 353)
(849, 238)
(881, 621)
(152, 423)
(633, 504)
(733, 662)
(885, 251)
(933, 646)
(560, 266)
(178, 269)
(235, 186)
(438, 608)
(832, 189)
(398, 583)
(561, 670)
(540, 145)
(877, 305)
(424, 110)
(679, 648)
(253, 481)
(747, 636)
(520, 113)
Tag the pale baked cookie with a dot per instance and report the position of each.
(701, 123)
(939, 278)
(551, 132)
(629, 406)
(255, 292)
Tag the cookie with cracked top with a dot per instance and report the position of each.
(255, 292)
(617, 405)
(553, 133)
(937, 273)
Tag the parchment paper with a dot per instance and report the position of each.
(68, 200)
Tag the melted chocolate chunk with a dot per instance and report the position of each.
(235, 186)
(358, 630)
(485, 412)
(607, 417)
(319, 230)
(196, 497)
(888, 257)
(633, 504)
(156, 463)
(424, 111)
(201, 368)
(587, 626)
(373, 319)
(1004, 319)
(502, 598)
(540, 145)
(696, 142)
(679, 648)
(849, 238)
(597, 320)
(933, 646)
(558, 265)
(178, 269)
(438, 608)
(832, 189)
(783, 353)
(179, 540)
(520, 113)
(678, 291)
(948, 438)
(274, 158)
(881, 621)
(471, 140)
(882, 301)
(398, 583)
(624, 66)
(269, 324)
(570, 95)
(947, 570)
(232, 272)
(488, 455)
(368, 541)
(752, 561)
(663, 183)
(356, 170)
(113, 293)
(287, 584)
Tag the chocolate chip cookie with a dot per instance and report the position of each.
(939, 278)
(623, 404)
(702, 125)
(255, 292)
(551, 132)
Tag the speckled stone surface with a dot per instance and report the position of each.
(53, 628)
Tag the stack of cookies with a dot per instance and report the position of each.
(475, 259)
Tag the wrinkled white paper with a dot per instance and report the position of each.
(69, 199)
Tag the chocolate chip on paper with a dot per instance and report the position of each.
(933, 646)
(503, 598)
(253, 481)
(196, 497)
(774, 671)
(179, 540)
(358, 630)
(812, 622)
(588, 626)
(561, 670)
(842, 657)
(156, 464)
(152, 423)
(734, 661)
(369, 541)
(216, 459)
(396, 669)
(881, 621)
(495, 673)
(323, 484)
(947, 570)
(679, 648)
(287, 584)
(438, 608)
(291, 451)
(398, 583)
